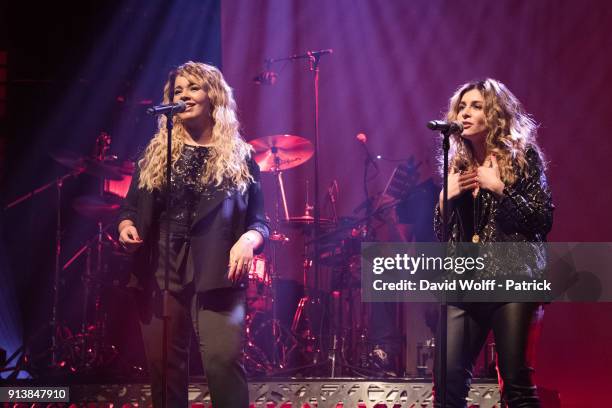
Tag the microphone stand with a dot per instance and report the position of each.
(169, 111)
(313, 60)
(165, 291)
(442, 347)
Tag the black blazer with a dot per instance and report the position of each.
(220, 220)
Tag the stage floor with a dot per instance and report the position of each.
(294, 392)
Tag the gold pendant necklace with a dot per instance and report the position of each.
(476, 237)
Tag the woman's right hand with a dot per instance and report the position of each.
(129, 239)
(458, 183)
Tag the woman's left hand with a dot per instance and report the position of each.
(489, 177)
(241, 257)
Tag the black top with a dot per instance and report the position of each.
(187, 189)
(473, 211)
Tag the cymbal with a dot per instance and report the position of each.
(305, 221)
(97, 207)
(281, 152)
(68, 159)
(104, 169)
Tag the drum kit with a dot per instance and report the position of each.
(316, 342)
(328, 335)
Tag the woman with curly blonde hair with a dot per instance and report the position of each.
(215, 223)
(497, 192)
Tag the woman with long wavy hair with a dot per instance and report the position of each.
(497, 192)
(215, 223)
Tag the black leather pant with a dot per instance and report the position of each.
(217, 318)
(515, 327)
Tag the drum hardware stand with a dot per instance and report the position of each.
(88, 279)
(274, 154)
(314, 326)
(103, 143)
(425, 352)
(24, 360)
(278, 362)
(337, 353)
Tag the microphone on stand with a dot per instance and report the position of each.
(363, 139)
(320, 52)
(172, 108)
(446, 127)
(180, 106)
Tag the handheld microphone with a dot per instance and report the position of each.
(171, 108)
(446, 127)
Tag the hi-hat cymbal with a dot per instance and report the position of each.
(281, 152)
(306, 221)
(105, 169)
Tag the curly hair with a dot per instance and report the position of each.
(227, 164)
(511, 131)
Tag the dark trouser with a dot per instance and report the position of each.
(217, 318)
(515, 329)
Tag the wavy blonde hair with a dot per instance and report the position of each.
(227, 163)
(511, 130)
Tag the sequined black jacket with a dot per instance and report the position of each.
(524, 213)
